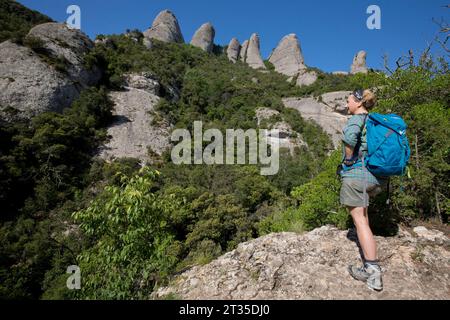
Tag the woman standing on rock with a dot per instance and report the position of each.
(358, 184)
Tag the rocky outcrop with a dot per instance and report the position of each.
(337, 101)
(233, 50)
(328, 111)
(253, 56)
(165, 28)
(265, 114)
(204, 37)
(143, 81)
(306, 78)
(430, 236)
(69, 45)
(287, 137)
(359, 63)
(134, 133)
(314, 266)
(49, 77)
(340, 73)
(287, 58)
(244, 49)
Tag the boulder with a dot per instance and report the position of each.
(287, 58)
(433, 236)
(233, 50)
(253, 57)
(165, 28)
(359, 63)
(291, 266)
(204, 37)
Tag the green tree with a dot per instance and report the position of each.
(133, 248)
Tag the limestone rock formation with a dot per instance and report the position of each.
(287, 137)
(265, 114)
(204, 37)
(426, 235)
(165, 28)
(143, 81)
(314, 266)
(253, 56)
(134, 134)
(325, 115)
(337, 101)
(33, 83)
(70, 45)
(340, 73)
(244, 49)
(287, 58)
(233, 50)
(306, 78)
(359, 63)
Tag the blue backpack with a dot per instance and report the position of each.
(387, 144)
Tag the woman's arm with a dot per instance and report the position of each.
(348, 160)
(350, 137)
(348, 151)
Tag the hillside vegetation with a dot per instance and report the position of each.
(16, 20)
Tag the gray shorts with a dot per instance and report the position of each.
(352, 192)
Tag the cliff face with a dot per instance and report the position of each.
(329, 112)
(50, 80)
(314, 266)
(133, 133)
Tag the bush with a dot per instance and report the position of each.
(132, 246)
(317, 204)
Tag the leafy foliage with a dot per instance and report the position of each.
(132, 246)
(43, 170)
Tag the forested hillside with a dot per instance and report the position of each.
(16, 20)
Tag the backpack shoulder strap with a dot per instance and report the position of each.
(359, 143)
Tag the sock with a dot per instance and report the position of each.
(372, 263)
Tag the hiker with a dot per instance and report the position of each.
(358, 184)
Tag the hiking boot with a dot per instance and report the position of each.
(374, 282)
(358, 273)
(370, 274)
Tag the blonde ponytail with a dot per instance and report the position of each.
(369, 99)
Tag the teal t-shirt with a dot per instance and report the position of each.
(350, 136)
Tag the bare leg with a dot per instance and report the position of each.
(365, 236)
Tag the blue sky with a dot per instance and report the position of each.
(330, 32)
